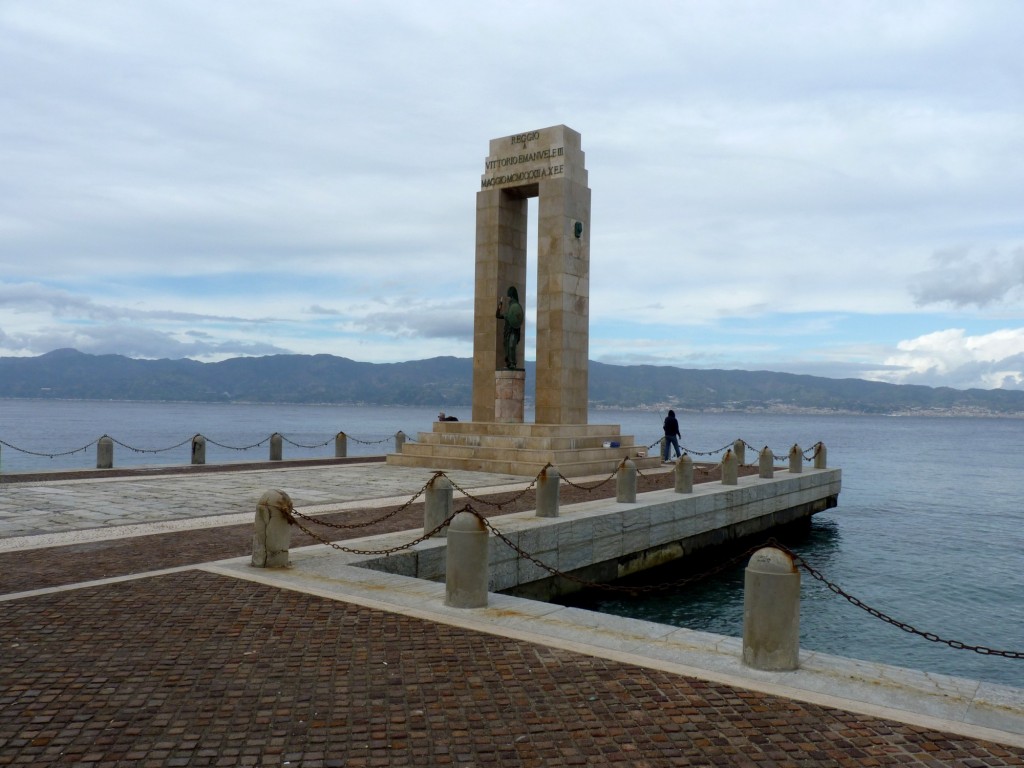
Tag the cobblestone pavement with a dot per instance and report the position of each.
(191, 668)
(195, 669)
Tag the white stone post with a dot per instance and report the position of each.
(730, 469)
(105, 453)
(273, 533)
(466, 567)
(547, 492)
(438, 504)
(340, 445)
(740, 449)
(198, 449)
(684, 474)
(625, 483)
(399, 441)
(276, 447)
(771, 612)
(766, 463)
(796, 459)
(821, 457)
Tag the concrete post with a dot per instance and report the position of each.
(796, 459)
(198, 449)
(276, 446)
(684, 474)
(466, 567)
(821, 457)
(438, 504)
(547, 492)
(662, 447)
(273, 533)
(730, 469)
(766, 463)
(340, 445)
(625, 483)
(771, 612)
(740, 449)
(105, 453)
(399, 441)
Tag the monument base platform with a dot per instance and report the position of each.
(576, 450)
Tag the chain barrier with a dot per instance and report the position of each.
(350, 526)
(726, 565)
(590, 488)
(497, 505)
(239, 448)
(301, 445)
(149, 450)
(956, 644)
(48, 455)
(187, 440)
(370, 442)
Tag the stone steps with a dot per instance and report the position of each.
(522, 449)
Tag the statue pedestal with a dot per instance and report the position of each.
(576, 450)
(509, 392)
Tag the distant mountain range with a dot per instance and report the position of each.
(446, 382)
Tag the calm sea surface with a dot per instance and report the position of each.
(929, 528)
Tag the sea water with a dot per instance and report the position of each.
(929, 529)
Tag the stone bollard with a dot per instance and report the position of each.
(276, 446)
(771, 612)
(399, 441)
(547, 492)
(684, 474)
(796, 460)
(438, 504)
(273, 534)
(766, 463)
(340, 445)
(105, 453)
(466, 567)
(820, 456)
(730, 469)
(662, 447)
(740, 449)
(198, 449)
(625, 483)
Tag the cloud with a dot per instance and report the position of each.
(963, 278)
(953, 358)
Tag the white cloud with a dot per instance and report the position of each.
(953, 358)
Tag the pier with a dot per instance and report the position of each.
(139, 632)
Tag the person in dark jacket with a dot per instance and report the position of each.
(671, 436)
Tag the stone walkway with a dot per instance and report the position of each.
(190, 667)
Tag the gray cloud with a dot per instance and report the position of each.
(964, 279)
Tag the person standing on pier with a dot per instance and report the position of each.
(671, 436)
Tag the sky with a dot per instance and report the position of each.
(817, 187)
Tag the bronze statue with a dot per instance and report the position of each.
(513, 317)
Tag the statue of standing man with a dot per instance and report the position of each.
(512, 314)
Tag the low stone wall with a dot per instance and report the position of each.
(605, 540)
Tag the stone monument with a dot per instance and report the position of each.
(547, 164)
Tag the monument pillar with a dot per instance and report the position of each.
(549, 164)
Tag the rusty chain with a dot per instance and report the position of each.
(392, 513)
(956, 644)
(677, 584)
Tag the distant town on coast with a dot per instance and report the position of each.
(447, 382)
